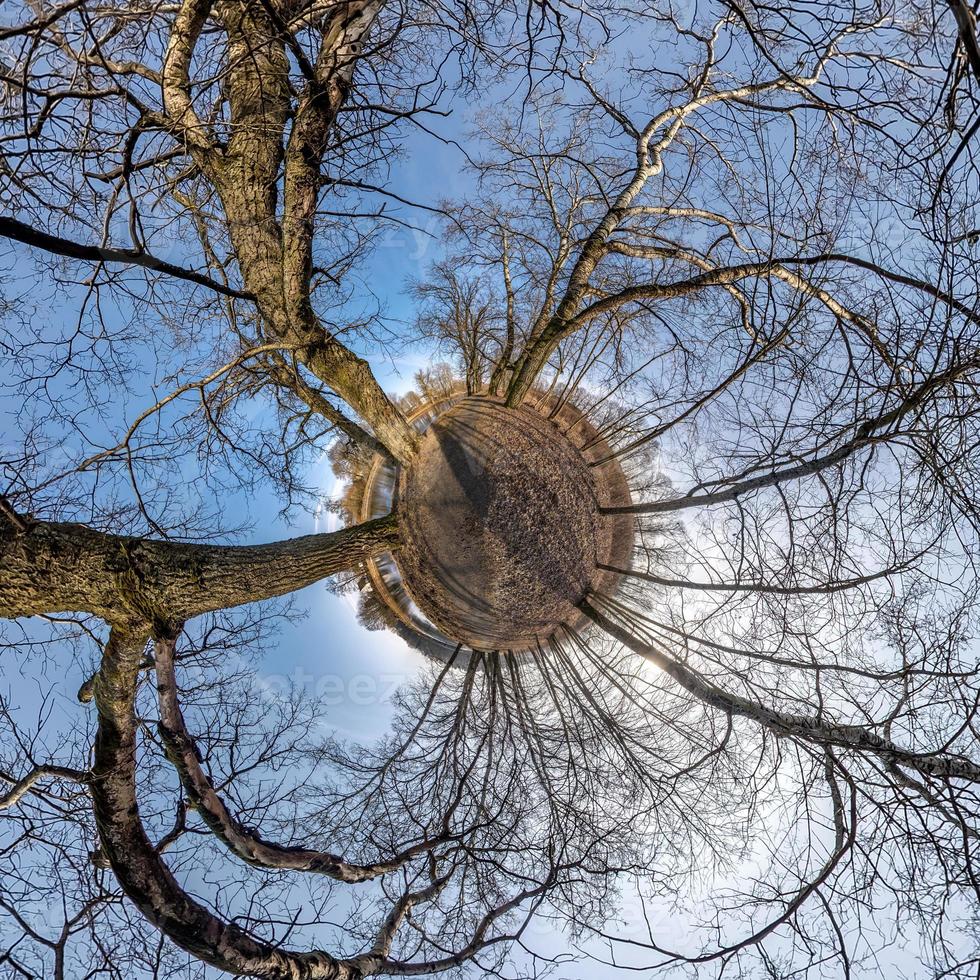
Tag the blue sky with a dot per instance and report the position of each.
(328, 653)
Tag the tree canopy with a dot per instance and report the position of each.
(724, 253)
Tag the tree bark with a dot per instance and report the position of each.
(55, 568)
(141, 871)
(288, 376)
(275, 257)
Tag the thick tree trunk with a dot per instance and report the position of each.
(141, 871)
(55, 568)
(275, 256)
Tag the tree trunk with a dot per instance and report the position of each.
(141, 871)
(56, 568)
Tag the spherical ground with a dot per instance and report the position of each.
(502, 535)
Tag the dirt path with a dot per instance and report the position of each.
(501, 525)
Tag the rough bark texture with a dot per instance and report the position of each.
(289, 377)
(275, 256)
(141, 871)
(54, 567)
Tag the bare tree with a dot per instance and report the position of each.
(681, 265)
(461, 315)
(799, 398)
